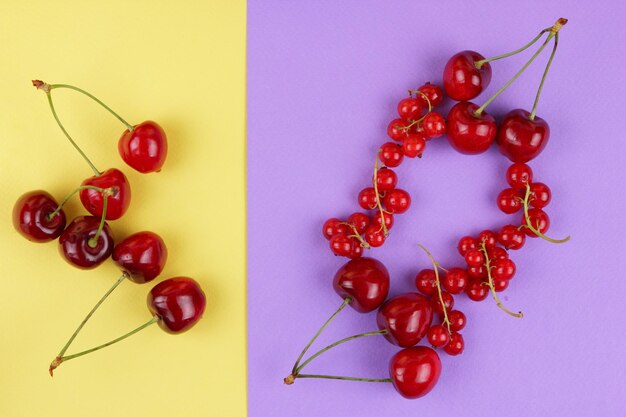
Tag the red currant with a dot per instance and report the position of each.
(375, 236)
(341, 245)
(476, 291)
(489, 238)
(539, 220)
(433, 92)
(467, 243)
(477, 272)
(425, 282)
(456, 344)
(455, 280)
(334, 227)
(518, 175)
(474, 258)
(500, 285)
(413, 145)
(503, 269)
(434, 125)
(397, 130)
(410, 109)
(387, 218)
(497, 253)
(448, 302)
(397, 201)
(438, 336)
(511, 237)
(367, 198)
(391, 154)
(457, 320)
(540, 195)
(386, 180)
(509, 201)
(356, 250)
(360, 221)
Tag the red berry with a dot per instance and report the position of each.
(462, 80)
(397, 130)
(466, 244)
(438, 336)
(518, 175)
(386, 180)
(474, 258)
(387, 217)
(470, 133)
(476, 291)
(341, 245)
(406, 318)
(415, 371)
(503, 269)
(489, 238)
(425, 282)
(433, 92)
(434, 125)
(413, 145)
(539, 220)
(540, 195)
(178, 302)
(391, 154)
(334, 227)
(521, 138)
(145, 148)
(31, 217)
(356, 249)
(75, 242)
(511, 237)
(367, 198)
(397, 201)
(509, 201)
(456, 344)
(375, 236)
(497, 253)
(455, 280)
(477, 272)
(457, 320)
(117, 202)
(142, 256)
(360, 221)
(500, 285)
(448, 302)
(365, 281)
(410, 109)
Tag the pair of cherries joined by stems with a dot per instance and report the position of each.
(363, 282)
(176, 304)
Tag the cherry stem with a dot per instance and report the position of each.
(553, 31)
(46, 88)
(337, 343)
(342, 378)
(378, 203)
(543, 78)
(70, 195)
(60, 359)
(479, 64)
(446, 321)
(492, 288)
(345, 302)
(535, 230)
(88, 316)
(93, 242)
(94, 98)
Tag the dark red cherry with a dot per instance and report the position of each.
(75, 242)
(406, 318)
(145, 148)
(142, 256)
(469, 133)
(365, 281)
(31, 217)
(521, 139)
(462, 80)
(178, 302)
(117, 202)
(415, 371)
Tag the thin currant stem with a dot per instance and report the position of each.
(93, 242)
(446, 321)
(93, 310)
(355, 234)
(346, 301)
(345, 378)
(421, 119)
(94, 98)
(70, 195)
(533, 229)
(543, 78)
(492, 288)
(337, 343)
(482, 62)
(378, 203)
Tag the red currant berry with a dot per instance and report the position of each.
(425, 282)
(391, 154)
(477, 272)
(539, 220)
(457, 320)
(397, 130)
(489, 238)
(448, 302)
(438, 336)
(387, 218)
(341, 245)
(500, 285)
(518, 175)
(410, 109)
(476, 291)
(360, 221)
(456, 344)
(455, 280)
(334, 227)
(413, 145)
(386, 180)
(540, 195)
(497, 253)
(511, 237)
(367, 198)
(397, 201)
(503, 269)
(434, 125)
(356, 250)
(509, 201)
(466, 244)
(474, 258)
(433, 92)
(375, 236)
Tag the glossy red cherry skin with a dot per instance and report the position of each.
(30, 217)
(145, 148)
(415, 371)
(462, 80)
(521, 139)
(74, 243)
(406, 318)
(468, 133)
(117, 203)
(365, 281)
(142, 256)
(178, 302)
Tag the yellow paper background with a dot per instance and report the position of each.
(183, 65)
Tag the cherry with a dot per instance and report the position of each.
(540, 195)
(386, 217)
(521, 138)
(463, 79)
(397, 201)
(406, 318)
(425, 282)
(415, 371)
(375, 236)
(144, 147)
(455, 280)
(476, 291)
(448, 302)
(438, 336)
(489, 238)
(503, 269)
(518, 175)
(117, 202)
(409, 109)
(474, 258)
(468, 132)
(467, 243)
(142, 256)
(511, 237)
(509, 201)
(413, 145)
(538, 219)
(433, 92)
(391, 154)
(367, 198)
(365, 281)
(456, 344)
(360, 221)
(457, 320)
(32, 217)
(75, 243)
(178, 302)
(334, 227)
(434, 125)
(397, 130)
(341, 245)
(386, 180)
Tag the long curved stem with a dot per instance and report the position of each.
(533, 229)
(482, 62)
(70, 195)
(491, 286)
(544, 76)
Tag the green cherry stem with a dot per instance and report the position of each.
(482, 62)
(70, 195)
(543, 77)
(59, 360)
(492, 288)
(342, 378)
(436, 267)
(534, 229)
(93, 242)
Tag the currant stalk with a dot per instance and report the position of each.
(492, 288)
(436, 267)
(533, 229)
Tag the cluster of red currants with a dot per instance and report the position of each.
(176, 304)
(363, 283)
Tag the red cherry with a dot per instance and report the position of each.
(425, 282)
(413, 145)
(462, 80)
(540, 195)
(467, 243)
(365, 281)
(406, 318)
(391, 154)
(476, 291)
(375, 236)
(448, 301)
(456, 344)
(145, 148)
(438, 336)
(474, 258)
(387, 218)
(434, 125)
(397, 130)
(457, 320)
(386, 180)
(397, 201)
(509, 201)
(117, 202)
(518, 175)
(142, 256)
(503, 269)
(31, 217)
(415, 371)
(489, 238)
(341, 245)
(538, 219)
(367, 198)
(74, 242)
(334, 227)
(433, 92)
(409, 109)
(178, 302)
(511, 237)
(455, 280)
(469, 133)
(360, 221)
(521, 139)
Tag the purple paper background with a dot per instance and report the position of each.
(323, 81)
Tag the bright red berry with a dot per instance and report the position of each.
(457, 320)
(511, 237)
(476, 291)
(455, 280)
(433, 92)
(467, 243)
(474, 258)
(386, 180)
(397, 130)
(425, 282)
(341, 245)
(540, 195)
(413, 145)
(456, 345)
(375, 236)
(387, 218)
(538, 219)
(503, 269)
(438, 336)
(334, 227)
(476, 272)
(434, 125)
(497, 253)
(448, 302)
(391, 154)
(360, 221)
(367, 198)
(518, 175)
(410, 109)
(509, 201)
(397, 201)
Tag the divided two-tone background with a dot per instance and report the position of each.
(274, 110)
